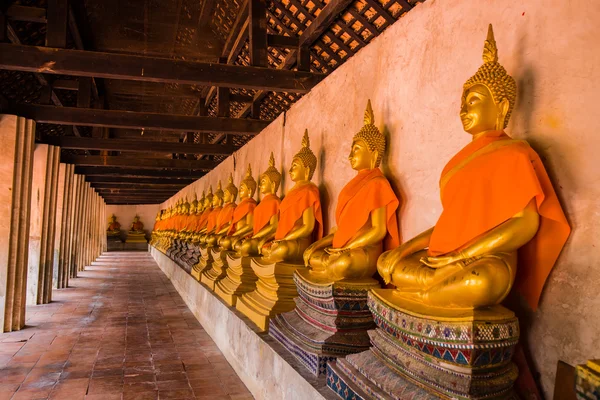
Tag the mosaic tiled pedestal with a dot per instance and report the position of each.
(274, 293)
(217, 271)
(454, 355)
(331, 320)
(174, 247)
(240, 279)
(191, 256)
(204, 263)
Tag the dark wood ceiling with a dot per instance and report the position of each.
(136, 72)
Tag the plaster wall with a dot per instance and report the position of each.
(413, 74)
(125, 214)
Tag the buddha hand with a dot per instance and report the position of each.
(442, 261)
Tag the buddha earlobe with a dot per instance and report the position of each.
(503, 107)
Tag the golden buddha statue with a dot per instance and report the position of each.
(300, 219)
(217, 206)
(114, 228)
(243, 216)
(223, 221)
(266, 214)
(365, 215)
(204, 212)
(497, 198)
(136, 232)
(137, 226)
(300, 223)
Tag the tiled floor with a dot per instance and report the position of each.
(120, 331)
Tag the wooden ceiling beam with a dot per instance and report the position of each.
(26, 14)
(283, 42)
(137, 179)
(140, 173)
(56, 28)
(138, 120)
(151, 69)
(141, 146)
(152, 163)
(118, 185)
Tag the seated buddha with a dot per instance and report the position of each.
(204, 211)
(365, 215)
(300, 219)
(211, 222)
(114, 228)
(243, 216)
(136, 226)
(266, 214)
(497, 201)
(223, 222)
(188, 219)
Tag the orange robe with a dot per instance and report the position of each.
(292, 207)
(245, 207)
(366, 192)
(485, 184)
(202, 220)
(265, 210)
(225, 216)
(137, 226)
(212, 219)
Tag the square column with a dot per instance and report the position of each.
(17, 136)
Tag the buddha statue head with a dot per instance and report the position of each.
(304, 162)
(217, 200)
(185, 207)
(270, 179)
(208, 200)
(248, 185)
(231, 191)
(200, 204)
(368, 145)
(488, 96)
(194, 205)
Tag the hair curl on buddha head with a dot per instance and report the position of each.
(231, 188)
(272, 174)
(219, 192)
(249, 181)
(493, 76)
(371, 135)
(306, 156)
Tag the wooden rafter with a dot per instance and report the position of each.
(137, 162)
(138, 120)
(154, 174)
(151, 69)
(141, 146)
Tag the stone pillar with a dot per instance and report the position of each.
(42, 225)
(67, 235)
(59, 221)
(17, 136)
(75, 231)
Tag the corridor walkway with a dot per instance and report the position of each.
(120, 331)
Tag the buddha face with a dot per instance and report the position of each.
(244, 191)
(479, 113)
(193, 207)
(298, 172)
(361, 157)
(227, 197)
(208, 202)
(265, 186)
(216, 201)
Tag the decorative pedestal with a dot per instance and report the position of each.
(587, 380)
(454, 355)
(274, 293)
(172, 248)
(217, 271)
(134, 237)
(240, 279)
(204, 263)
(331, 320)
(191, 256)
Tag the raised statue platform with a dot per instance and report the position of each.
(457, 354)
(274, 294)
(218, 269)
(331, 320)
(136, 237)
(204, 263)
(240, 279)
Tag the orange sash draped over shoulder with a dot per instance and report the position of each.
(268, 206)
(489, 181)
(245, 207)
(366, 192)
(292, 207)
(212, 219)
(202, 220)
(225, 215)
